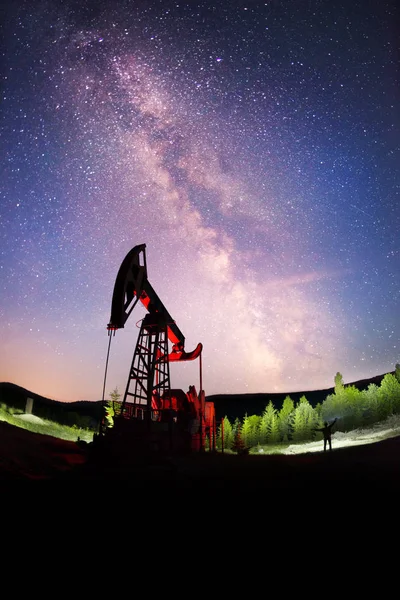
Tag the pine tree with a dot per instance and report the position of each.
(109, 414)
(250, 430)
(115, 399)
(245, 431)
(370, 401)
(339, 385)
(112, 408)
(227, 440)
(236, 425)
(238, 445)
(263, 430)
(303, 420)
(274, 434)
(389, 395)
(268, 417)
(285, 419)
(352, 417)
(334, 404)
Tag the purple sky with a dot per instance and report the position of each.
(253, 147)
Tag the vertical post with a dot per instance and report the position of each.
(29, 406)
(101, 430)
(201, 404)
(214, 428)
(201, 374)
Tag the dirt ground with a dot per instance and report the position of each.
(29, 457)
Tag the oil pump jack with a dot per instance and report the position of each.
(154, 415)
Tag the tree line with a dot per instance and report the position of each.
(295, 423)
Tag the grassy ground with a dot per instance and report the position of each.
(37, 425)
(358, 437)
(363, 462)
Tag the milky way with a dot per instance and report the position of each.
(253, 147)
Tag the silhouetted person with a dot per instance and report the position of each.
(327, 432)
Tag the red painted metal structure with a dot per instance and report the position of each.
(156, 415)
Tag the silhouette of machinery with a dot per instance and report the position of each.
(154, 414)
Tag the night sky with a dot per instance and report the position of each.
(252, 146)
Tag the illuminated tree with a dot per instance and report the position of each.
(274, 434)
(245, 430)
(339, 385)
(389, 395)
(269, 425)
(265, 423)
(263, 430)
(250, 430)
(352, 409)
(286, 418)
(109, 414)
(225, 430)
(115, 399)
(303, 420)
(397, 372)
(334, 404)
(112, 408)
(371, 404)
(239, 445)
(317, 412)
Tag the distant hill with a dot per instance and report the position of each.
(82, 413)
(231, 405)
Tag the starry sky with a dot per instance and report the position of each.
(252, 146)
